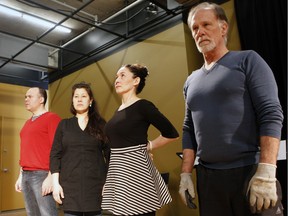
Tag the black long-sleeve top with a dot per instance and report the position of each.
(129, 126)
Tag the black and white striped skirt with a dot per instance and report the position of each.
(133, 185)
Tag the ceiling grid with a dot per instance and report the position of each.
(107, 23)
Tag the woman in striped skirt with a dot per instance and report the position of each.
(134, 185)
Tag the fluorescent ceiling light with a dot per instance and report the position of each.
(33, 19)
(10, 11)
(45, 23)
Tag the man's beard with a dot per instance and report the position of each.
(206, 48)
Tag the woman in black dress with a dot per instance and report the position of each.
(134, 186)
(79, 156)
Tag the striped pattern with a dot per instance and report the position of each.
(134, 185)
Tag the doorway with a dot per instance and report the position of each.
(9, 159)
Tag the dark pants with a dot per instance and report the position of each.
(148, 214)
(71, 213)
(223, 192)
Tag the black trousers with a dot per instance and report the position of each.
(148, 214)
(223, 192)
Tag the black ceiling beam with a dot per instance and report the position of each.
(153, 23)
(88, 59)
(27, 63)
(93, 53)
(41, 42)
(163, 7)
(45, 33)
(129, 36)
(139, 30)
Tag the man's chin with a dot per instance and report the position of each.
(205, 49)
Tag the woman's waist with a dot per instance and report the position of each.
(137, 147)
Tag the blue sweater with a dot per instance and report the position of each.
(228, 108)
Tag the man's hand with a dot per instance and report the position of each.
(186, 184)
(262, 187)
(18, 183)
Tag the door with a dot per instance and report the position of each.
(10, 152)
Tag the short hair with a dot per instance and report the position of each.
(43, 94)
(217, 9)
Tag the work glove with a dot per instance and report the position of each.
(186, 184)
(262, 187)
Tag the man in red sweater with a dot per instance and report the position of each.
(37, 136)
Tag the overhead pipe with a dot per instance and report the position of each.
(92, 28)
(123, 10)
(73, 8)
(71, 41)
(163, 18)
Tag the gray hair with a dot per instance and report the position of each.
(217, 9)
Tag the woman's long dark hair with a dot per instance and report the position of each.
(96, 122)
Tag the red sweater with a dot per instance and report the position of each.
(36, 141)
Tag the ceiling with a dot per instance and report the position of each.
(32, 54)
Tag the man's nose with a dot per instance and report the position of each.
(200, 32)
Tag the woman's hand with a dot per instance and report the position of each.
(58, 193)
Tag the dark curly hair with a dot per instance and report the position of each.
(138, 71)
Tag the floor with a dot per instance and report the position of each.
(22, 213)
(13, 213)
(19, 213)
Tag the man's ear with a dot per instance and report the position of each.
(224, 28)
(42, 100)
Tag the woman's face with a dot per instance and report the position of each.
(125, 82)
(81, 100)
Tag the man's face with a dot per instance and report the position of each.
(33, 99)
(207, 31)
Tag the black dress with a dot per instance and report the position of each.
(78, 157)
(134, 185)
